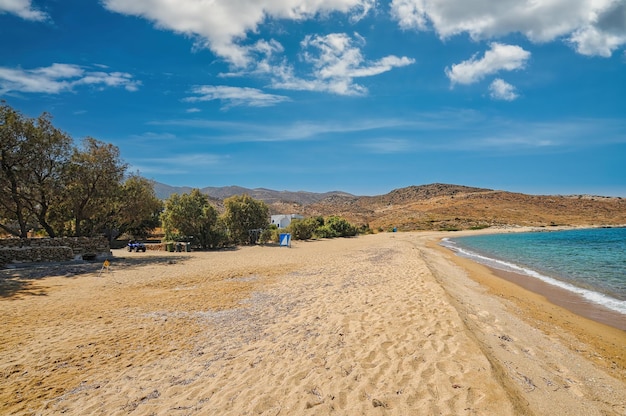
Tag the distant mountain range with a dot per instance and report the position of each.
(432, 207)
(269, 196)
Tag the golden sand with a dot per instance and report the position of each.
(380, 324)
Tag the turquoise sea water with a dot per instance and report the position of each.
(589, 262)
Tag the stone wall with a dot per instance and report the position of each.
(168, 246)
(24, 250)
(156, 246)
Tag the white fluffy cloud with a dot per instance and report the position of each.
(499, 58)
(223, 25)
(502, 90)
(591, 41)
(57, 78)
(23, 9)
(336, 60)
(235, 96)
(595, 27)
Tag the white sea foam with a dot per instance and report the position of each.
(590, 295)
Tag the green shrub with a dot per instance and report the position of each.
(270, 234)
(303, 229)
(336, 227)
(325, 232)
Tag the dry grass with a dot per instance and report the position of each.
(449, 207)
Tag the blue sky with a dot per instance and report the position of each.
(362, 96)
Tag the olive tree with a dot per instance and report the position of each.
(13, 139)
(140, 208)
(335, 226)
(243, 214)
(192, 216)
(33, 158)
(93, 184)
(47, 183)
(46, 172)
(303, 229)
(134, 210)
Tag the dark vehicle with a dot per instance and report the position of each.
(136, 246)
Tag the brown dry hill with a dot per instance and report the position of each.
(451, 207)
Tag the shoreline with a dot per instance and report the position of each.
(545, 309)
(564, 298)
(574, 302)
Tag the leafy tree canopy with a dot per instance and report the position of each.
(303, 229)
(243, 214)
(47, 183)
(191, 217)
(33, 157)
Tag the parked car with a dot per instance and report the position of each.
(136, 246)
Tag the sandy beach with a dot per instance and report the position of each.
(384, 324)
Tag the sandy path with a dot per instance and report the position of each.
(378, 324)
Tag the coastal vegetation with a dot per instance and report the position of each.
(50, 187)
(190, 217)
(320, 227)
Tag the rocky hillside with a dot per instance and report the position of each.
(434, 207)
(450, 207)
(270, 196)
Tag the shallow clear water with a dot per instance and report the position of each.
(590, 262)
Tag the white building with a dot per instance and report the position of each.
(283, 220)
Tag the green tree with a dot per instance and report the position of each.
(135, 210)
(242, 214)
(192, 216)
(93, 186)
(33, 156)
(50, 149)
(335, 226)
(140, 209)
(47, 183)
(13, 159)
(269, 234)
(303, 229)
